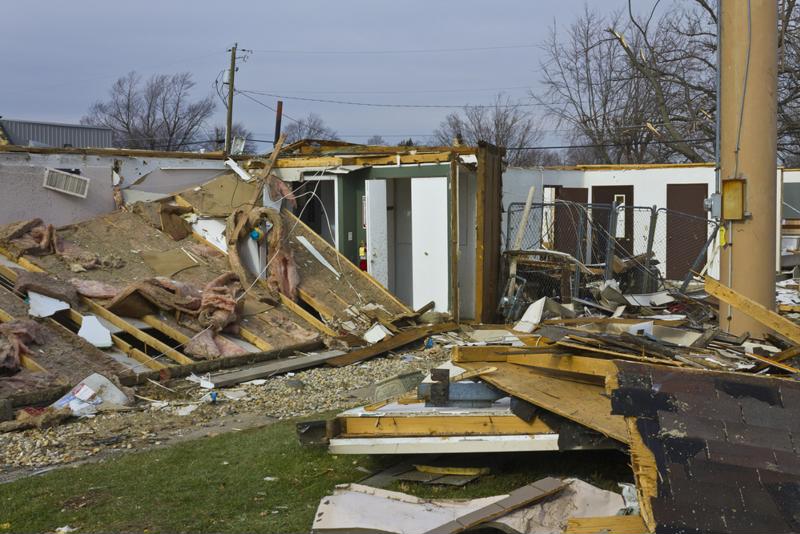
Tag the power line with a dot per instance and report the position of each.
(260, 103)
(377, 105)
(398, 51)
(406, 91)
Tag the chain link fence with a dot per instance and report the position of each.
(645, 249)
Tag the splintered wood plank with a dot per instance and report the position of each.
(763, 315)
(615, 524)
(586, 404)
(390, 343)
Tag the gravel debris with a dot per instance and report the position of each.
(321, 389)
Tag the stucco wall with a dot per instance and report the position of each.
(22, 175)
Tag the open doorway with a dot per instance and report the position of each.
(317, 206)
(407, 238)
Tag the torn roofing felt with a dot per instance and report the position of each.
(712, 451)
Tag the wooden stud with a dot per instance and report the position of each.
(145, 338)
(310, 319)
(765, 316)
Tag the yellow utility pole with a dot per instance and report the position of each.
(748, 153)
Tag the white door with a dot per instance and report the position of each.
(377, 235)
(429, 238)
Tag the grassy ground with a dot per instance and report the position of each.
(217, 485)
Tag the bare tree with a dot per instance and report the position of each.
(590, 89)
(376, 140)
(310, 127)
(651, 97)
(157, 113)
(216, 138)
(504, 123)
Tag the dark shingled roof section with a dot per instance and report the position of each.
(726, 446)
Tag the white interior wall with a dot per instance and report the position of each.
(377, 230)
(430, 231)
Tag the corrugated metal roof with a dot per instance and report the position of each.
(28, 133)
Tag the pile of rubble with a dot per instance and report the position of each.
(699, 411)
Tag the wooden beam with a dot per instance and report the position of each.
(206, 366)
(441, 425)
(772, 363)
(765, 316)
(310, 319)
(289, 162)
(325, 311)
(149, 154)
(144, 337)
(253, 339)
(566, 363)
(454, 252)
(390, 343)
(77, 318)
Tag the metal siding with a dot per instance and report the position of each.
(56, 135)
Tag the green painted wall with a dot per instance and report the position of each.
(351, 190)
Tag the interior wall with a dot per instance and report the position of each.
(403, 279)
(24, 197)
(430, 229)
(391, 234)
(467, 185)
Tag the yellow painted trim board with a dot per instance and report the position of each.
(615, 524)
(441, 425)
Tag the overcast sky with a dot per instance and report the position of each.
(62, 56)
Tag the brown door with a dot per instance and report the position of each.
(568, 218)
(608, 194)
(687, 229)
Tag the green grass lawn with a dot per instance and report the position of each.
(217, 485)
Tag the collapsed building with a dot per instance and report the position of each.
(331, 254)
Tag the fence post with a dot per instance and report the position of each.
(647, 283)
(579, 248)
(696, 264)
(611, 241)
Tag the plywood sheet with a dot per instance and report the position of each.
(586, 404)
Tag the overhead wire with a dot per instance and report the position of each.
(362, 52)
(379, 105)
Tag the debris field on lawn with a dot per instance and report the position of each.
(132, 329)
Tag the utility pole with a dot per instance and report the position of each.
(278, 118)
(748, 153)
(229, 121)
